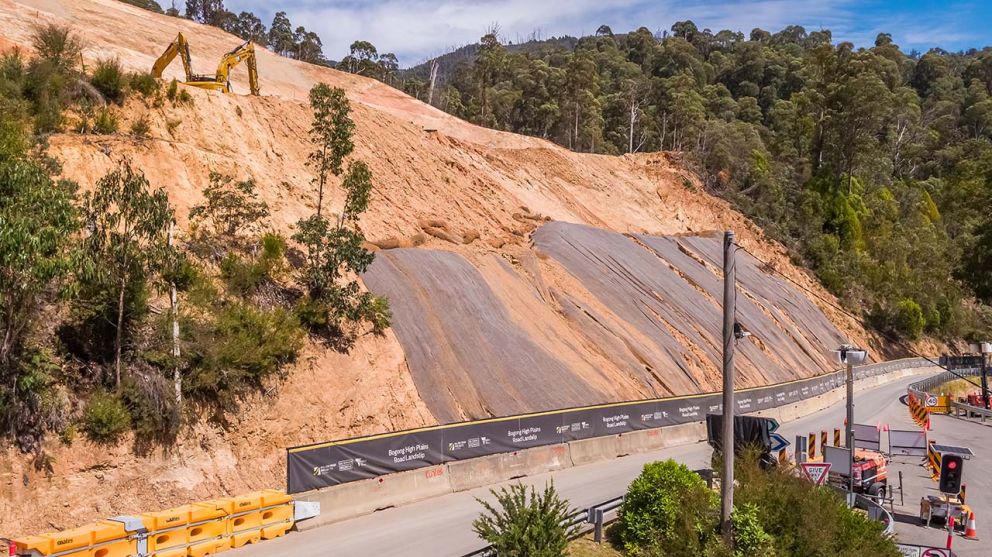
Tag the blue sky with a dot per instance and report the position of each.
(418, 29)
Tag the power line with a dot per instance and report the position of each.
(858, 319)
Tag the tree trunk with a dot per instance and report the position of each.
(630, 143)
(174, 302)
(120, 329)
(430, 91)
(320, 182)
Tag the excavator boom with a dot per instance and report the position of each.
(178, 47)
(219, 82)
(244, 53)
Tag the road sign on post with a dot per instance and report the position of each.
(778, 443)
(816, 471)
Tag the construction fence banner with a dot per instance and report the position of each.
(322, 465)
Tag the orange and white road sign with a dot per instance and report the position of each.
(816, 471)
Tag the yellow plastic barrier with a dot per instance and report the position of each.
(208, 532)
(244, 517)
(193, 530)
(167, 533)
(99, 539)
(277, 513)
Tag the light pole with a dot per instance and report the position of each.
(850, 356)
(729, 313)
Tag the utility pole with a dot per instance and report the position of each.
(729, 312)
(850, 419)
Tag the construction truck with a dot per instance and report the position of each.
(220, 81)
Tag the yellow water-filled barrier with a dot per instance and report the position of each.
(193, 530)
(244, 519)
(277, 514)
(105, 538)
(167, 533)
(208, 529)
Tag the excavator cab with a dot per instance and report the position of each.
(221, 80)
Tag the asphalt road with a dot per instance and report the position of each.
(442, 526)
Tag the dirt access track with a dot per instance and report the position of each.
(575, 278)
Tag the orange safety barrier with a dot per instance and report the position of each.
(105, 538)
(193, 530)
(207, 530)
(277, 514)
(167, 532)
(244, 518)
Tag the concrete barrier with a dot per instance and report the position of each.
(352, 499)
(366, 496)
(585, 451)
(488, 470)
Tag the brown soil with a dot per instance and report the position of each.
(440, 183)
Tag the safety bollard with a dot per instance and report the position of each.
(812, 446)
(823, 440)
(836, 436)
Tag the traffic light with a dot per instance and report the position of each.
(950, 473)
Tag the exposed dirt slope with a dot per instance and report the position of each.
(472, 196)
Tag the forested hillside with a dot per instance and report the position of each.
(871, 164)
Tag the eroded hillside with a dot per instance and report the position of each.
(607, 308)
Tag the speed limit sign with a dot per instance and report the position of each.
(931, 400)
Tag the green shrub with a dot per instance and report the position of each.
(246, 277)
(909, 319)
(143, 83)
(802, 519)
(105, 122)
(108, 78)
(106, 417)
(141, 127)
(151, 403)
(170, 93)
(668, 508)
(57, 44)
(239, 348)
(525, 523)
(184, 98)
(46, 87)
(750, 537)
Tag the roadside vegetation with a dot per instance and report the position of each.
(90, 339)
(669, 511)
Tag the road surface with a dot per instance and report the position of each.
(442, 526)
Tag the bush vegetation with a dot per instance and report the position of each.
(109, 78)
(111, 355)
(523, 522)
(106, 417)
(669, 511)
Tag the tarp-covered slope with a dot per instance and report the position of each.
(647, 310)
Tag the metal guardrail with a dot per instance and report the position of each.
(969, 410)
(876, 511)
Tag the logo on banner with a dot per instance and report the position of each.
(816, 471)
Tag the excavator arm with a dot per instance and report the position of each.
(178, 47)
(244, 53)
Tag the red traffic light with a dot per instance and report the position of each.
(952, 464)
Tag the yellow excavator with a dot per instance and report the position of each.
(219, 82)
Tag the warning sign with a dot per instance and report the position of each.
(816, 471)
(935, 552)
(911, 550)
